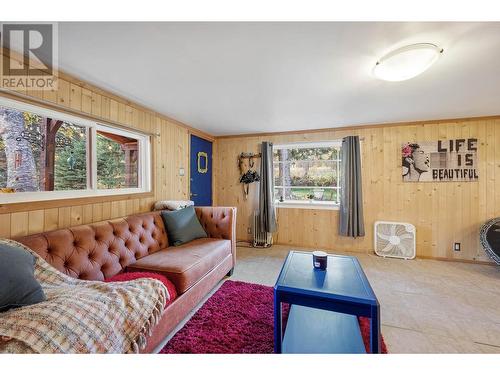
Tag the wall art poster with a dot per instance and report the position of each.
(439, 161)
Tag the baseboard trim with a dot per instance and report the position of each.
(470, 261)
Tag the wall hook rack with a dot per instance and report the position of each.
(247, 155)
(248, 176)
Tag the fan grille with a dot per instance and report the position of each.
(395, 240)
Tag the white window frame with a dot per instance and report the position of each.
(309, 204)
(144, 158)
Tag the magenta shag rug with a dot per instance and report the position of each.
(238, 318)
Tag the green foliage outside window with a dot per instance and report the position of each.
(110, 164)
(306, 174)
(71, 161)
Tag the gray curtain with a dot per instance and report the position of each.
(266, 194)
(351, 197)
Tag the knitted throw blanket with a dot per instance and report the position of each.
(83, 316)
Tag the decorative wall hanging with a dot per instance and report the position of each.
(439, 161)
(202, 162)
(247, 175)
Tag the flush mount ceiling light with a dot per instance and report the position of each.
(406, 62)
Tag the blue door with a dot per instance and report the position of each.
(201, 171)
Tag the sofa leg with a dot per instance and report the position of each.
(230, 273)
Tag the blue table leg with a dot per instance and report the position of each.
(277, 323)
(375, 329)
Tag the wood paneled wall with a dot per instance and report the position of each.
(443, 213)
(170, 152)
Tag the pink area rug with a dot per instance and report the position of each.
(238, 318)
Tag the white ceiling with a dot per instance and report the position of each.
(232, 78)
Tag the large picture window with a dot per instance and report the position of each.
(307, 173)
(47, 155)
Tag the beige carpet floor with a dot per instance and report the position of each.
(427, 306)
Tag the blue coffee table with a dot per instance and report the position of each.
(324, 306)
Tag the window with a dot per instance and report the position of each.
(307, 173)
(117, 161)
(48, 155)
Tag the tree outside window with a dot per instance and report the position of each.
(40, 153)
(307, 173)
(117, 161)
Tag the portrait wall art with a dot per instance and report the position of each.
(440, 161)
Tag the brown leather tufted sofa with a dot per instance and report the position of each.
(140, 243)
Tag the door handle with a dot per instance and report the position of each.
(193, 195)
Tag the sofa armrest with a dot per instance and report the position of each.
(219, 222)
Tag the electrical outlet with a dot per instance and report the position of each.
(249, 230)
(456, 246)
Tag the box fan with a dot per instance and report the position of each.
(395, 240)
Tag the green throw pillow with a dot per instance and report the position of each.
(18, 286)
(182, 226)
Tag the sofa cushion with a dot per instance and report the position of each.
(18, 286)
(186, 264)
(182, 226)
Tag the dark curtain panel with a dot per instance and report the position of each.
(351, 197)
(266, 193)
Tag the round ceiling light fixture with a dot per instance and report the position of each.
(406, 62)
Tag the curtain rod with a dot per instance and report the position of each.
(33, 100)
(311, 143)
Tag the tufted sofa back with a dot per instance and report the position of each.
(99, 251)
(219, 222)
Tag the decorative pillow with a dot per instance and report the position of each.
(172, 205)
(182, 226)
(18, 286)
(127, 276)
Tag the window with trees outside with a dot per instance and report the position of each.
(46, 154)
(307, 173)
